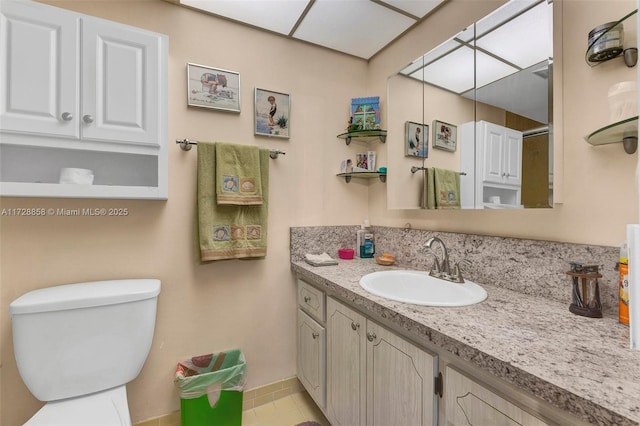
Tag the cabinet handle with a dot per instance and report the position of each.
(371, 336)
(67, 116)
(314, 335)
(307, 299)
(355, 326)
(88, 119)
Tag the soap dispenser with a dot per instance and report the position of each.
(365, 241)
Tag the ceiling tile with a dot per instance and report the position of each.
(520, 41)
(352, 27)
(274, 15)
(418, 8)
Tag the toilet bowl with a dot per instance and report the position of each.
(78, 345)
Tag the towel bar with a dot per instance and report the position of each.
(185, 145)
(415, 169)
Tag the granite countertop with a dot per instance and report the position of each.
(581, 365)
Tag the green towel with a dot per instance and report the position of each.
(431, 185)
(447, 188)
(427, 193)
(229, 231)
(238, 175)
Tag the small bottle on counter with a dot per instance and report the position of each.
(365, 241)
(623, 305)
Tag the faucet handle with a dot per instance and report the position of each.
(436, 269)
(457, 270)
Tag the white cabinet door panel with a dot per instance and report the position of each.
(513, 157)
(493, 141)
(469, 403)
(400, 381)
(311, 357)
(346, 363)
(39, 68)
(121, 83)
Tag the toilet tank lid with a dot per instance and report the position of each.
(85, 295)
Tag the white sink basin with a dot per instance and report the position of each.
(419, 288)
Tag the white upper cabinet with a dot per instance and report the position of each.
(502, 149)
(120, 76)
(39, 65)
(80, 92)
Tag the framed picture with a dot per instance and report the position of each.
(365, 113)
(416, 140)
(272, 113)
(445, 136)
(213, 88)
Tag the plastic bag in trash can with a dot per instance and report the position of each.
(210, 374)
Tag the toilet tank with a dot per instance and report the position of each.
(75, 339)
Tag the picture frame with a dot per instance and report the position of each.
(365, 113)
(272, 113)
(416, 140)
(213, 88)
(445, 136)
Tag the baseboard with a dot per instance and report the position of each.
(251, 398)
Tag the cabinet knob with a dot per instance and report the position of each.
(88, 119)
(307, 299)
(67, 116)
(314, 335)
(371, 336)
(355, 326)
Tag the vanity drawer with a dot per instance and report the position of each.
(311, 300)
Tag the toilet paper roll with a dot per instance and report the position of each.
(76, 176)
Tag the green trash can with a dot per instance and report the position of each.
(210, 389)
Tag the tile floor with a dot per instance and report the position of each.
(288, 411)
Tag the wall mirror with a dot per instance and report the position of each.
(483, 102)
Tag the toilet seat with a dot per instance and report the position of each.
(106, 408)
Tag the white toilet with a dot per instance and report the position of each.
(78, 345)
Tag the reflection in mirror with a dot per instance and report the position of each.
(492, 83)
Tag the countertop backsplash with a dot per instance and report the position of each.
(528, 266)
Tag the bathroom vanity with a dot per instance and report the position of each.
(512, 359)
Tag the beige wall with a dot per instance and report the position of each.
(599, 192)
(244, 304)
(251, 304)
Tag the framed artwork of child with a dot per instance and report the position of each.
(416, 141)
(272, 113)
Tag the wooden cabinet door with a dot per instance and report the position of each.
(400, 381)
(122, 82)
(469, 403)
(311, 357)
(346, 362)
(38, 69)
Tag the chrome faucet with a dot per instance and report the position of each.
(443, 266)
(442, 269)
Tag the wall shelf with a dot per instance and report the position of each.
(594, 58)
(363, 175)
(366, 135)
(625, 131)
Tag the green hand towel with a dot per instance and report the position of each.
(447, 189)
(229, 231)
(431, 185)
(427, 189)
(238, 175)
